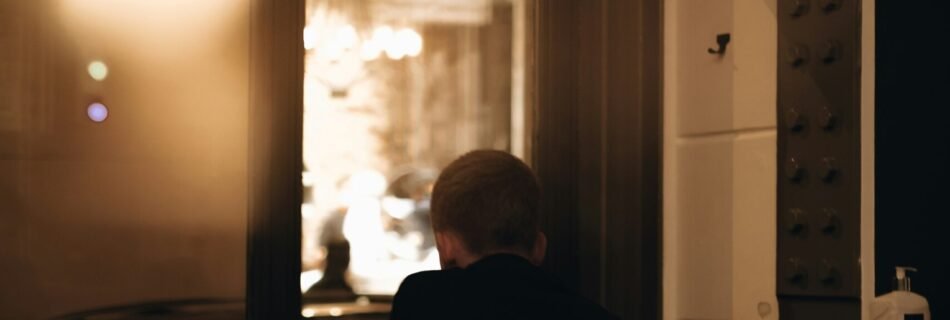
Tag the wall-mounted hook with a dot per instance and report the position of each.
(723, 41)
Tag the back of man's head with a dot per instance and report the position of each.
(490, 200)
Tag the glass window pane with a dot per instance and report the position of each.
(393, 92)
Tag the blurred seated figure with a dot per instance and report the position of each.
(485, 216)
(333, 285)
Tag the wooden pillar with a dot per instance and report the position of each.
(596, 147)
(275, 134)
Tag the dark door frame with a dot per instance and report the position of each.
(595, 75)
(597, 147)
(275, 163)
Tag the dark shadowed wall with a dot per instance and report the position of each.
(912, 149)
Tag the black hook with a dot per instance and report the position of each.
(722, 40)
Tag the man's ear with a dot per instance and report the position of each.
(540, 249)
(448, 246)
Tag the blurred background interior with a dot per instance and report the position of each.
(223, 159)
(394, 91)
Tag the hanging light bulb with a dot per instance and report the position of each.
(309, 38)
(410, 42)
(346, 37)
(370, 50)
(395, 50)
(332, 51)
(385, 38)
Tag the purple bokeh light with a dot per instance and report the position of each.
(97, 112)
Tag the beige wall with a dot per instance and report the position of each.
(719, 177)
(150, 204)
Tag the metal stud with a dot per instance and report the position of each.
(830, 51)
(827, 118)
(797, 55)
(830, 5)
(828, 169)
(796, 222)
(795, 272)
(793, 170)
(794, 120)
(798, 7)
(830, 223)
(828, 274)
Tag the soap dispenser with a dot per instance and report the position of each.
(901, 304)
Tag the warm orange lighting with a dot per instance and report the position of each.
(309, 38)
(346, 37)
(370, 50)
(410, 42)
(383, 36)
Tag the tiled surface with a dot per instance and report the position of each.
(733, 92)
(723, 119)
(754, 63)
(705, 80)
(725, 191)
(705, 252)
(753, 231)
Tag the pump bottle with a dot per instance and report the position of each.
(901, 304)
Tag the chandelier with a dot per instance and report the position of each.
(339, 43)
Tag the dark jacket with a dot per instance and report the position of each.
(495, 287)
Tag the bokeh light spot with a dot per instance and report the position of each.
(97, 112)
(98, 70)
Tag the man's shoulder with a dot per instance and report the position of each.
(586, 309)
(430, 285)
(428, 294)
(430, 279)
(425, 295)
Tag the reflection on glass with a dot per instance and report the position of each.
(393, 91)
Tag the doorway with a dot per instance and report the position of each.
(588, 94)
(393, 92)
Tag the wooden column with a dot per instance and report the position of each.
(275, 133)
(597, 150)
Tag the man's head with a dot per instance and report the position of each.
(486, 202)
